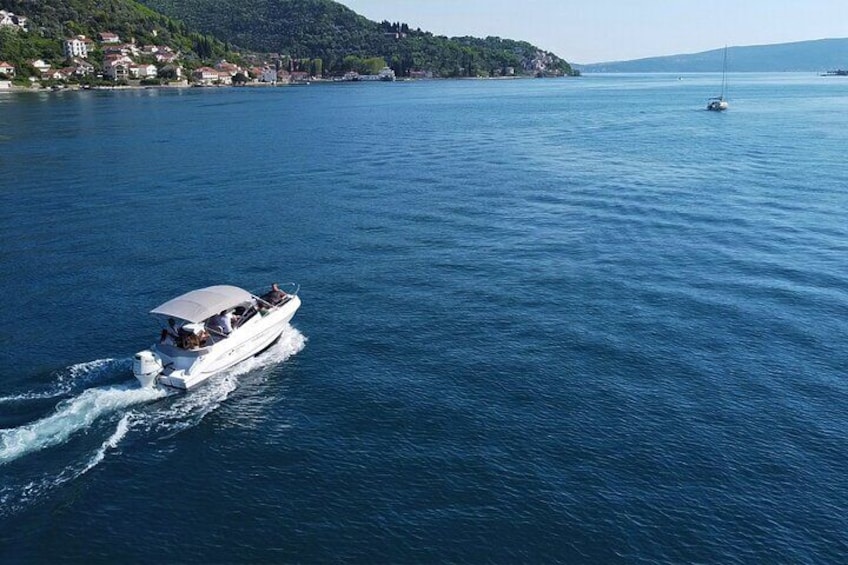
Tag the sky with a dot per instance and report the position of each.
(593, 31)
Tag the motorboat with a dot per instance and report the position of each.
(211, 329)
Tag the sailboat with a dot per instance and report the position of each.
(719, 104)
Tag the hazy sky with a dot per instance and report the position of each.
(592, 31)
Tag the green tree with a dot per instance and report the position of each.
(373, 65)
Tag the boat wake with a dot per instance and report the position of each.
(74, 378)
(71, 416)
(90, 423)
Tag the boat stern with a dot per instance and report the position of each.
(147, 367)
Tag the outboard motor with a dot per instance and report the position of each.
(147, 366)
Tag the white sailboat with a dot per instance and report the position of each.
(719, 104)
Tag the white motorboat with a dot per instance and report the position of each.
(212, 329)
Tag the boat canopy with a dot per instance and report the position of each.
(201, 304)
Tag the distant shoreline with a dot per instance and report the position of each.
(184, 85)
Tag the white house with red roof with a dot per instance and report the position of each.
(121, 49)
(143, 71)
(205, 75)
(7, 69)
(53, 74)
(166, 57)
(82, 67)
(224, 77)
(40, 65)
(68, 72)
(117, 67)
(230, 68)
(108, 37)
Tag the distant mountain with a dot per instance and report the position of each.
(803, 56)
(328, 30)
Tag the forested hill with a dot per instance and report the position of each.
(803, 56)
(53, 20)
(332, 32)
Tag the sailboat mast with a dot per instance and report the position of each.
(719, 104)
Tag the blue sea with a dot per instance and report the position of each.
(544, 321)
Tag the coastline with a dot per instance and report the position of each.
(8, 87)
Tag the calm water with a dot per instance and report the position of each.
(570, 320)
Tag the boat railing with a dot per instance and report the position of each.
(216, 333)
(291, 288)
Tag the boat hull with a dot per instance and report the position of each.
(717, 106)
(187, 369)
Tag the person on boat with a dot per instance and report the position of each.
(192, 336)
(275, 296)
(171, 334)
(222, 323)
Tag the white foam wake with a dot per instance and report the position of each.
(75, 377)
(13, 499)
(291, 342)
(80, 413)
(70, 417)
(187, 411)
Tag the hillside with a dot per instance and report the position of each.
(804, 56)
(327, 30)
(52, 20)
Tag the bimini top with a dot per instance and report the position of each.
(198, 305)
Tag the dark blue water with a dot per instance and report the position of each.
(579, 320)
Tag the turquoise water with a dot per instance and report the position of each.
(556, 320)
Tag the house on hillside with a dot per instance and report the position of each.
(143, 71)
(82, 67)
(9, 19)
(75, 47)
(40, 66)
(225, 77)
(51, 74)
(205, 75)
(166, 57)
(117, 67)
(171, 71)
(7, 69)
(229, 68)
(154, 50)
(299, 76)
(107, 38)
(68, 73)
(128, 49)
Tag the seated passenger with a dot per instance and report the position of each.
(241, 315)
(275, 296)
(222, 323)
(192, 336)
